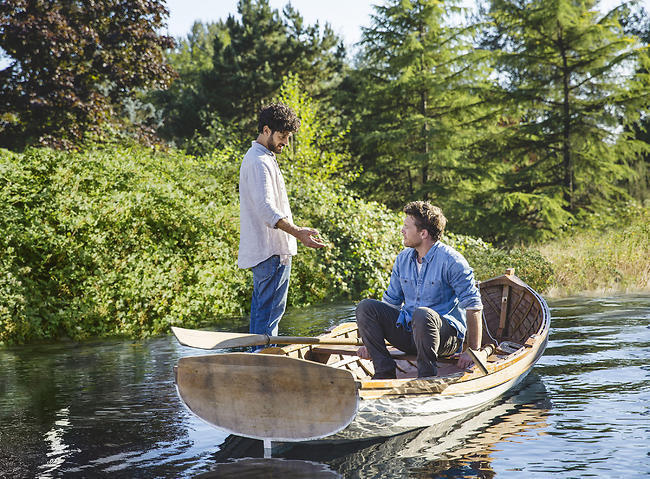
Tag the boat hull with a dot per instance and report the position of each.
(514, 313)
(392, 416)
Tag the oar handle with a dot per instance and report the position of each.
(480, 363)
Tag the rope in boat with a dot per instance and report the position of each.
(507, 347)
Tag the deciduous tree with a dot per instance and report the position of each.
(70, 60)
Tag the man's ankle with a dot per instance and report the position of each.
(428, 374)
(385, 375)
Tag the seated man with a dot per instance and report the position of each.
(431, 302)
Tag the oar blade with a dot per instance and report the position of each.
(267, 397)
(195, 338)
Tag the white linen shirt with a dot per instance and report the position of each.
(263, 202)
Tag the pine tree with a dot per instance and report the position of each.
(256, 53)
(568, 85)
(182, 104)
(420, 108)
(218, 100)
(638, 24)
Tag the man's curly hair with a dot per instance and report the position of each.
(427, 217)
(278, 117)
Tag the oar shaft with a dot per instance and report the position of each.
(214, 339)
(313, 340)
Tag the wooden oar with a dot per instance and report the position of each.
(478, 360)
(267, 397)
(195, 338)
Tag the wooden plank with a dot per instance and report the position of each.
(504, 310)
(352, 351)
(524, 317)
(266, 396)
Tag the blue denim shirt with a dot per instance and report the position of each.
(445, 284)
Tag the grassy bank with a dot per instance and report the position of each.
(603, 260)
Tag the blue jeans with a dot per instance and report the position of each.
(270, 288)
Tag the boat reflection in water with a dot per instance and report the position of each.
(250, 468)
(455, 447)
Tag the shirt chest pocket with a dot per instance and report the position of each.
(408, 288)
(433, 293)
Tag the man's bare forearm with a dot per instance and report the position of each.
(288, 227)
(474, 328)
(307, 236)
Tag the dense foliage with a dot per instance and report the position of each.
(526, 122)
(71, 62)
(118, 240)
(124, 241)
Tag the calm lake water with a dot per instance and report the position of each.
(109, 409)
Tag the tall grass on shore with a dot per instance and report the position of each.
(604, 260)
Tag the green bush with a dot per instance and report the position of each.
(489, 262)
(363, 239)
(124, 241)
(127, 241)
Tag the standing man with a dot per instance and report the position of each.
(267, 234)
(431, 302)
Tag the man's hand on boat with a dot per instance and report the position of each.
(363, 353)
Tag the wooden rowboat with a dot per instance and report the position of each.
(320, 389)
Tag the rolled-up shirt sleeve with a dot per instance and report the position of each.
(394, 295)
(461, 279)
(260, 189)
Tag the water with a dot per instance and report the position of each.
(109, 409)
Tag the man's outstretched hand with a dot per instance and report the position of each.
(309, 237)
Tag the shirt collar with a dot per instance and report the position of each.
(427, 257)
(263, 148)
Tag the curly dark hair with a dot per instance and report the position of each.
(278, 117)
(427, 217)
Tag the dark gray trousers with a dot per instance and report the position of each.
(431, 336)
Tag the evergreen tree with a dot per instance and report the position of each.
(258, 51)
(568, 87)
(182, 104)
(638, 24)
(420, 108)
(251, 55)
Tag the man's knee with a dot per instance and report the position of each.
(366, 311)
(426, 318)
